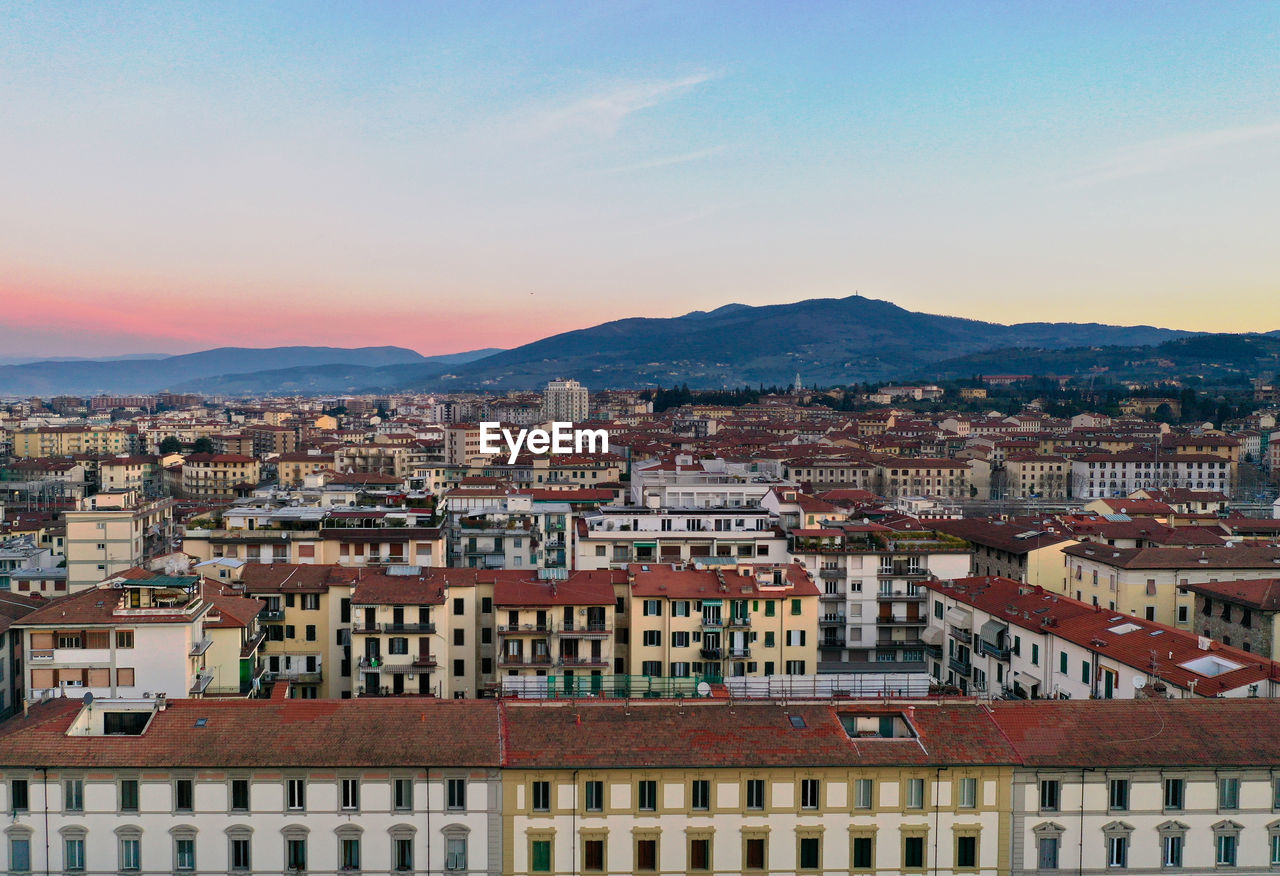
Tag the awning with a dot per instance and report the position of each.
(991, 630)
(1026, 679)
(958, 617)
(932, 636)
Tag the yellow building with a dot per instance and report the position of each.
(218, 476)
(709, 786)
(70, 440)
(564, 626)
(719, 620)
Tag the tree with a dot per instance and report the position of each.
(171, 444)
(203, 444)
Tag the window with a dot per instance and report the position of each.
(295, 853)
(18, 798)
(653, 638)
(680, 608)
(913, 852)
(1228, 793)
(20, 854)
(239, 795)
(1226, 849)
(700, 794)
(457, 794)
(755, 793)
(73, 795)
(1119, 796)
(652, 608)
(810, 792)
(915, 793)
(810, 852)
(968, 793)
(184, 853)
(1050, 790)
(541, 793)
(647, 795)
(124, 638)
(1047, 853)
(1171, 850)
(402, 853)
(297, 794)
(595, 796)
(754, 852)
(73, 853)
(700, 853)
(240, 853)
(966, 851)
(459, 606)
(540, 856)
(311, 632)
(679, 639)
(593, 855)
(130, 852)
(863, 852)
(646, 854)
(862, 793)
(184, 795)
(1275, 847)
(1118, 850)
(795, 606)
(1173, 792)
(128, 795)
(770, 608)
(402, 795)
(455, 853)
(1062, 662)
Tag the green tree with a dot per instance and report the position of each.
(171, 444)
(203, 445)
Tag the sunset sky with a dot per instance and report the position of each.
(447, 176)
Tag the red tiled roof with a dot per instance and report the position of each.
(517, 588)
(679, 582)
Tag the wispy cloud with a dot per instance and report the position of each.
(668, 161)
(602, 113)
(1171, 153)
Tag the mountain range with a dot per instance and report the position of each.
(825, 341)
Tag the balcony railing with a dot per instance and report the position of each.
(514, 629)
(198, 648)
(588, 629)
(832, 643)
(960, 635)
(425, 661)
(582, 661)
(40, 656)
(711, 653)
(715, 622)
(739, 653)
(200, 682)
(831, 573)
(272, 614)
(523, 660)
(900, 620)
(899, 596)
(408, 628)
(993, 650)
(739, 621)
(831, 597)
(960, 667)
(838, 620)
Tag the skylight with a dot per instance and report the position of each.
(1124, 628)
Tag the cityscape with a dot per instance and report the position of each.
(558, 439)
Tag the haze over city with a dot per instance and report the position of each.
(181, 177)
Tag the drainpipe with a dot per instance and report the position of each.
(937, 799)
(45, 786)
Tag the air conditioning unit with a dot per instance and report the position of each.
(409, 675)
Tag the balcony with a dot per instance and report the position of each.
(837, 642)
(831, 574)
(899, 620)
(985, 647)
(408, 628)
(831, 597)
(41, 656)
(303, 675)
(589, 630)
(902, 570)
(572, 662)
(739, 622)
(960, 667)
(424, 661)
(514, 661)
(711, 653)
(200, 647)
(524, 629)
(899, 596)
(832, 620)
(272, 614)
(960, 635)
(714, 623)
(200, 682)
(739, 653)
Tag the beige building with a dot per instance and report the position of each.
(218, 476)
(113, 532)
(71, 440)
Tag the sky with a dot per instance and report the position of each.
(450, 176)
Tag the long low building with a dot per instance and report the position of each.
(713, 786)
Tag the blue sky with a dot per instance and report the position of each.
(446, 176)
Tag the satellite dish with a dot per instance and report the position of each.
(1139, 682)
(88, 698)
(704, 689)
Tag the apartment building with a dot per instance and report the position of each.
(719, 620)
(114, 531)
(71, 440)
(218, 476)
(252, 786)
(1096, 476)
(1034, 475)
(613, 537)
(371, 538)
(714, 787)
(872, 606)
(830, 474)
(1244, 613)
(139, 472)
(683, 482)
(1011, 549)
(1154, 786)
(137, 632)
(999, 636)
(13, 607)
(561, 625)
(946, 478)
(401, 637)
(565, 401)
(1151, 582)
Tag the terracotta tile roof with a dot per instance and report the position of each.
(266, 733)
(376, 588)
(516, 588)
(1143, 733)
(1245, 556)
(999, 534)
(1260, 593)
(680, 582)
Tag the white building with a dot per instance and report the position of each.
(612, 537)
(565, 401)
